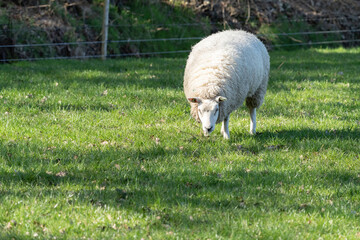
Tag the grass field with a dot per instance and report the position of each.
(107, 150)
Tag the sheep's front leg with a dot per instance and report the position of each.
(225, 128)
(253, 121)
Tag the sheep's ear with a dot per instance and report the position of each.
(220, 99)
(194, 100)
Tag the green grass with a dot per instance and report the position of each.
(107, 150)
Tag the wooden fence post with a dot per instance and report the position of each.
(104, 32)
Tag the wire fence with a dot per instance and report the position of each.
(289, 43)
(183, 39)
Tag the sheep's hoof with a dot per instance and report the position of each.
(226, 136)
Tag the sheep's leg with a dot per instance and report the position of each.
(225, 128)
(253, 121)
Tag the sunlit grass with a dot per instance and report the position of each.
(107, 150)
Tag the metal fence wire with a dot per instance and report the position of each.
(8, 48)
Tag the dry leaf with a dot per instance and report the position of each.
(104, 93)
(303, 205)
(61, 174)
(10, 224)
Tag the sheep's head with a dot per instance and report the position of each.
(208, 111)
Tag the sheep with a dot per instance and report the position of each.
(222, 71)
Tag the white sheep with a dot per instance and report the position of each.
(222, 71)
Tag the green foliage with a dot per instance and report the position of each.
(135, 20)
(106, 150)
(285, 25)
(154, 19)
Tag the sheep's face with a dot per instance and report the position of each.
(208, 112)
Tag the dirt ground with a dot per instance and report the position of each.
(324, 14)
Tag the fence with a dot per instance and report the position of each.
(353, 39)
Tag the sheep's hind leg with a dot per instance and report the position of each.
(253, 121)
(225, 128)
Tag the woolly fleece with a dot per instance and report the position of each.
(234, 64)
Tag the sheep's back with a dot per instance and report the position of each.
(231, 63)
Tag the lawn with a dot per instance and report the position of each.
(107, 150)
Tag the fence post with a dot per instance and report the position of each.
(104, 32)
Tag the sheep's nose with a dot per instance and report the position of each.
(209, 129)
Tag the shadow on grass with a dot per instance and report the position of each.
(161, 194)
(308, 140)
(146, 73)
(157, 73)
(311, 65)
(166, 73)
(15, 235)
(308, 133)
(133, 182)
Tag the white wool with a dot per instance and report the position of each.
(233, 64)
